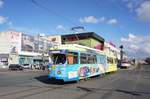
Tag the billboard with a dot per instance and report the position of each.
(34, 44)
(15, 41)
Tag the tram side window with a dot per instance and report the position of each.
(88, 59)
(91, 59)
(102, 60)
(72, 58)
(110, 60)
(83, 58)
(58, 59)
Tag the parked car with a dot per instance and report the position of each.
(15, 67)
(26, 66)
(125, 64)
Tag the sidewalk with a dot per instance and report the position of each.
(3, 69)
(24, 70)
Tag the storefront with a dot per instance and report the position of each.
(25, 59)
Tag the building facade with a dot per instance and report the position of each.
(112, 50)
(20, 48)
(89, 39)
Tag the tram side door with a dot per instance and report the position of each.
(72, 65)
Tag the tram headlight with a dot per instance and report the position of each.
(49, 71)
(58, 72)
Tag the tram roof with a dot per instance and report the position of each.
(76, 47)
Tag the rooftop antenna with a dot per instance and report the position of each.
(78, 29)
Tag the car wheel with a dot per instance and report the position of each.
(20, 68)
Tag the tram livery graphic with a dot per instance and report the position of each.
(72, 62)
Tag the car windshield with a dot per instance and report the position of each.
(58, 58)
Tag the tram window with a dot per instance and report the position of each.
(116, 60)
(92, 59)
(83, 58)
(72, 58)
(58, 58)
(102, 59)
(88, 59)
(110, 60)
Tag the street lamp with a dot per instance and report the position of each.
(121, 54)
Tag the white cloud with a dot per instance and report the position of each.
(141, 8)
(89, 19)
(102, 19)
(112, 21)
(3, 20)
(132, 36)
(137, 45)
(94, 20)
(143, 11)
(1, 3)
(60, 27)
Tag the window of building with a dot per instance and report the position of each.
(53, 39)
(91, 59)
(102, 59)
(83, 58)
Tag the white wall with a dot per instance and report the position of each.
(56, 37)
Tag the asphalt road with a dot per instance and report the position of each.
(124, 84)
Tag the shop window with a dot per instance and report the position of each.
(102, 60)
(92, 59)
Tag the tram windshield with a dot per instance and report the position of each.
(58, 59)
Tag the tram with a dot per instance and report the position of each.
(72, 62)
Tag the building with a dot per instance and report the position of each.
(112, 50)
(89, 39)
(20, 48)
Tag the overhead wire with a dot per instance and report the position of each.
(53, 12)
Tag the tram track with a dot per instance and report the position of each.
(35, 90)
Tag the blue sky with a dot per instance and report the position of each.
(115, 20)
